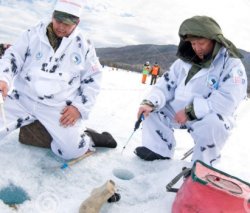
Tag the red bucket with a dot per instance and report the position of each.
(208, 190)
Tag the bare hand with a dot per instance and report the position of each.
(145, 109)
(181, 117)
(4, 88)
(70, 115)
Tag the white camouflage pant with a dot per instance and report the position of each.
(209, 135)
(67, 143)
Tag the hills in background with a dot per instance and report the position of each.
(133, 57)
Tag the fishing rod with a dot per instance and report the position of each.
(137, 125)
(189, 152)
(2, 110)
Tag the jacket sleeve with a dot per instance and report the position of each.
(164, 89)
(231, 91)
(14, 58)
(90, 83)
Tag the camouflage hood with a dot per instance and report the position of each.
(206, 27)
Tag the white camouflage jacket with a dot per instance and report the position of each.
(217, 89)
(70, 75)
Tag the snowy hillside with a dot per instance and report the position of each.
(53, 190)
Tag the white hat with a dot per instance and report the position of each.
(73, 7)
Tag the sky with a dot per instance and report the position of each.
(119, 23)
(141, 184)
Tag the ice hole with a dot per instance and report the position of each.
(123, 174)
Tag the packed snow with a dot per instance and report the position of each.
(142, 184)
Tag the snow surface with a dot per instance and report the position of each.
(53, 190)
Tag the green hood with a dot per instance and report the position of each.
(206, 27)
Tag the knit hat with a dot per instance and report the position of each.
(73, 7)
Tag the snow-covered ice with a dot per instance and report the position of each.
(54, 190)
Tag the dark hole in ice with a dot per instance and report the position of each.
(123, 174)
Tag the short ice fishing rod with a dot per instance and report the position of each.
(2, 110)
(137, 125)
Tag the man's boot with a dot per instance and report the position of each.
(98, 197)
(101, 140)
(148, 155)
(35, 134)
